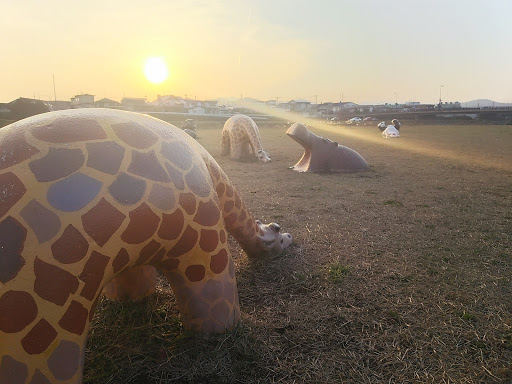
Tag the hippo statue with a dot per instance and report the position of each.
(324, 155)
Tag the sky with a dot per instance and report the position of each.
(364, 51)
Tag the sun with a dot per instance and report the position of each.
(156, 70)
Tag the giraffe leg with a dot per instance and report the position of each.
(224, 145)
(236, 150)
(206, 294)
(132, 284)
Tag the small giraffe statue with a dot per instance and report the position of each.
(241, 138)
(93, 196)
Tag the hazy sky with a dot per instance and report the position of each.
(365, 51)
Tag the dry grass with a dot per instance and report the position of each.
(401, 274)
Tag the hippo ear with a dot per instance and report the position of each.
(260, 150)
(275, 227)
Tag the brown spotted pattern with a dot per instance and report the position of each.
(86, 197)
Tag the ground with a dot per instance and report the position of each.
(401, 274)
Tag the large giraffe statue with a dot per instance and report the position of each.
(241, 138)
(93, 196)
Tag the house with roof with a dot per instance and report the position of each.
(82, 101)
(107, 103)
(133, 103)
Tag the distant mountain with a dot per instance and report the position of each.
(484, 103)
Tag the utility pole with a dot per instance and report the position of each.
(440, 100)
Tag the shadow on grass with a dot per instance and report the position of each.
(144, 342)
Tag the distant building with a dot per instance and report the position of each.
(133, 103)
(83, 101)
(58, 105)
(107, 103)
(23, 107)
(299, 105)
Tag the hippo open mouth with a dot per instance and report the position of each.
(300, 134)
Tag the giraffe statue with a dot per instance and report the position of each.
(93, 196)
(241, 138)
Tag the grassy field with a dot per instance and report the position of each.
(401, 274)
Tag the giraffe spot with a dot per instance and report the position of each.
(44, 223)
(221, 312)
(73, 193)
(147, 165)
(198, 309)
(214, 170)
(230, 220)
(222, 236)
(187, 241)
(122, 258)
(14, 148)
(102, 221)
(17, 310)
(249, 223)
(242, 216)
(176, 176)
(177, 153)
(58, 163)
(229, 190)
(159, 256)
(212, 290)
(11, 191)
(238, 202)
(127, 189)
(228, 206)
(92, 274)
(135, 135)
(39, 378)
(70, 247)
(208, 214)
(143, 224)
(229, 290)
(105, 156)
(39, 338)
(169, 264)
(65, 360)
(209, 240)
(148, 251)
(162, 197)
(12, 371)
(220, 189)
(219, 261)
(53, 283)
(188, 203)
(198, 182)
(70, 130)
(12, 239)
(74, 318)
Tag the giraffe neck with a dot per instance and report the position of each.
(240, 223)
(254, 138)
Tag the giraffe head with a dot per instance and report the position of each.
(270, 241)
(263, 156)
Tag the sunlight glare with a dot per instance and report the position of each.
(156, 70)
